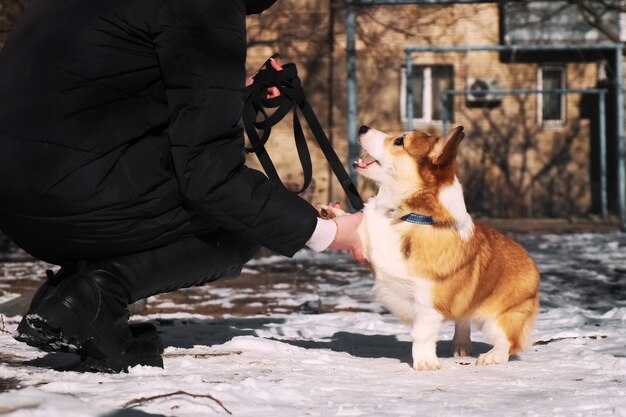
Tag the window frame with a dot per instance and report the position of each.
(540, 97)
(427, 94)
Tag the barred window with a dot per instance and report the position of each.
(429, 83)
(551, 106)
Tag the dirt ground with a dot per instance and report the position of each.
(255, 290)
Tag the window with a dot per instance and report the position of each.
(429, 82)
(551, 107)
(602, 67)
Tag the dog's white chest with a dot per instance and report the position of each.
(401, 292)
(385, 243)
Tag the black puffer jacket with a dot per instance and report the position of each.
(119, 130)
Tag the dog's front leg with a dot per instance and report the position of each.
(425, 330)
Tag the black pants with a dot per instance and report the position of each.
(194, 260)
(191, 259)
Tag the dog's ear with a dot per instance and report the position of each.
(445, 149)
(418, 143)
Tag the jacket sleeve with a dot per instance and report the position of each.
(257, 6)
(201, 47)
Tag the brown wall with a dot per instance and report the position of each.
(510, 164)
(300, 30)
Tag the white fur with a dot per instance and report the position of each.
(385, 244)
(451, 197)
(501, 345)
(372, 141)
(426, 324)
(407, 297)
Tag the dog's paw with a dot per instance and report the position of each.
(431, 364)
(462, 350)
(330, 211)
(492, 358)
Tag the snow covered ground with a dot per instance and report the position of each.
(302, 337)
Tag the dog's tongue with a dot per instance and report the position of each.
(362, 164)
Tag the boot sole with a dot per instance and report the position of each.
(44, 330)
(45, 334)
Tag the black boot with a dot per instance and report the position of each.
(85, 310)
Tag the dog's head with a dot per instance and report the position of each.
(416, 172)
(413, 161)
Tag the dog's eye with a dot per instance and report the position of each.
(399, 141)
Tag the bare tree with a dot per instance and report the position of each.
(565, 20)
(594, 12)
(10, 12)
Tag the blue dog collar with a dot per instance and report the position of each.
(418, 219)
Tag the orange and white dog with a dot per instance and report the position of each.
(431, 261)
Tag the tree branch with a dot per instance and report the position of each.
(142, 400)
(594, 18)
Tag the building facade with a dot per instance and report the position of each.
(525, 155)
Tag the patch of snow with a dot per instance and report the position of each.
(7, 296)
(357, 363)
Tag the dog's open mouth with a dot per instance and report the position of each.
(363, 164)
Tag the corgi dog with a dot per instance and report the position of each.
(431, 262)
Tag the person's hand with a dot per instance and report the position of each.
(347, 237)
(272, 92)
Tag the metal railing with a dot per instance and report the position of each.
(600, 92)
(619, 102)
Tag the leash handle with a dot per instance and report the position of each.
(292, 98)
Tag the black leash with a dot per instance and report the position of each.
(291, 98)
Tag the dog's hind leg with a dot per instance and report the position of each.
(461, 339)
(517, 323)
(501, 344)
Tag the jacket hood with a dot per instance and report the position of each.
(257, 6)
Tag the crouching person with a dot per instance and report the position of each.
(121, 161)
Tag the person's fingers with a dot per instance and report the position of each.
(347, 237)
(274, 62)
(357, 254)
(273, 92)
(358, 217)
